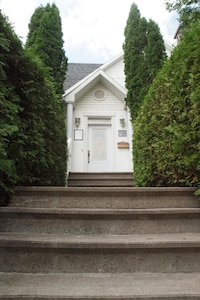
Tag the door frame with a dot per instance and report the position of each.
(100, 122)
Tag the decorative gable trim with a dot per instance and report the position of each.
(98, 76)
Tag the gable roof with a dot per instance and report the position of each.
(74, 93)
(77, 90)
(77, 71)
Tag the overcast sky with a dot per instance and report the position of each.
(93, 30)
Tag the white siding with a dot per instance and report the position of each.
(110, 103)
(116, 71)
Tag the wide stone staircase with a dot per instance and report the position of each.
(100, 242)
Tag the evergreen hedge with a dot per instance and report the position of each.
(166, 140)
(32, 126)
(10, 53)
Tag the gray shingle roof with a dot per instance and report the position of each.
(76, 72)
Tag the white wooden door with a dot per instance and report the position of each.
(100, 157)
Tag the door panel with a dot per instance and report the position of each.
(99, 149)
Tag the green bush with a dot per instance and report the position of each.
(10, 53)
(43, 133)
(166, 140)
(32, 126)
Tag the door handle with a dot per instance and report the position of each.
(88, 156)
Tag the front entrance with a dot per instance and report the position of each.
(100, 143)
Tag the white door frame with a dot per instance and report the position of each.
(102, 128)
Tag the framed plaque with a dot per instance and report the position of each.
(78, 134)
(122, 133)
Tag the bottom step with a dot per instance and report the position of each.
(100, 286)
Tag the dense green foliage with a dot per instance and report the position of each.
(10, 53)
(45, 40)
(42, 124)
(188, 10)
(166, 141)
(144, 54)
(32, 127)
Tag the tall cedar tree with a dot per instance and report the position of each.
(32, 127)
(144, 54)
(45, 39)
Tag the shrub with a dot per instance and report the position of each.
(166, 140)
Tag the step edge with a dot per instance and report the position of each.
(151, 241)
(99, 212)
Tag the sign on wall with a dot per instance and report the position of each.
(78, 134)
(122, 133)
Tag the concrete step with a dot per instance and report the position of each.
(99, 221)
(100, 175)
(102, 182)
(82, 286)
(100, 179)
(162, 253)
(104, 197)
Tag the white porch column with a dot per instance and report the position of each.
(69, 120)
(69, 134)
(130, 130)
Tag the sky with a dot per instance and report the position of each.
(93, 30)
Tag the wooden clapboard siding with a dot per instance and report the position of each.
(90, 103)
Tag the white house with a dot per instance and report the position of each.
(99, 130)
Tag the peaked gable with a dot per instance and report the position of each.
(99, 76)
(105, 75)
(106, 102)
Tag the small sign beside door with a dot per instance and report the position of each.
(122, 133)
(78, 134)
